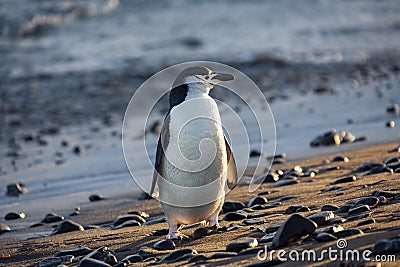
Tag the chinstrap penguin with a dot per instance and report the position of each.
(194, 163)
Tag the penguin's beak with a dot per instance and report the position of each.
(223, 77)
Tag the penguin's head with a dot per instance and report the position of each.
(199, 79)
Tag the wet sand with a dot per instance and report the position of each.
(128, 241)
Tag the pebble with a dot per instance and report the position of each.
(347, 179)
(343, 209)
(325, 237)
(75, 251)
(340, 158)
(52, 217)
(78, 149)
(110, 259)
(274, 226)
(14, 216)
(322, 217)
(267, 263)
(132, 259)
(393, 109)
(387, 194)
(156, 221)
(253, 221)
(378, 169)
(36, 225)
(50, 262)
(231, 205)
(255, 153)
(67, 226)
(128, 217)
(222, 255)
(98, 254)
(333, 229)
(396, 149)
(88, 262)
(358, 209)
(178, 254)
(329, 207)
(285, 182)
(164, 245)
(295, 227)
(160, 232)
(366, 222)
(348, 232)
(277, 156)
(296, 208)
(385, 246)
(257, 200)
(390, 124)
(271, 177)
(16, 189)
(96, 197)
(130, 223)
(198, 258)
(267, 238)
(328, 168)
(370, 201)
(393, 159)
(333, 137)
(234, 216)
(368, 165)
(202, 232)
(358, 216)
(242, 243)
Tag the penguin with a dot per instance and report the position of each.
(194, 165)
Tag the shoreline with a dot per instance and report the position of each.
(127, 241)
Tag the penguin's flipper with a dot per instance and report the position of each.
(163, 141)
(231, 174)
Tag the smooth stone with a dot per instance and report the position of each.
(110, 259)
(274, 226)
(253, 221)
(329, 207)
(271, 177)
(52, 217)
(340, 158)
(130, 223)
(368, 165)
(176, 255)
(358, 209)
(380, 169)
(383, 246)
(325, 237)
(267, 238)
(142, 214)
(75, 251)
(160, 232)
(242, 243)
(333, 229)
(78, 149)
(198, 258)
(277, 156)
(249, 251)
(366, 222)
(343, 209)
(387, 194)
(164, 245)
(285, 182)
(147, 251)
(202, 232)
(156, 221)
(120, 264)
(14, 216)
(348, 232)
(132, 259)
(95, 197)
(222, 255)
(128, 217)
(67, 258)
(331, 188)
(295, 227)
(284, 198)
(67, 226)
(50, 262)
(303, 209)
(347, 179)
(15, 189)
(370, 201)
(328, 168)
(322, 217)
(231, 205)
(292, 209)
(392, 159)
(99, 253)
(36, 225)
(88, 262)
(268, 263)
(234, 216)
(257, 200)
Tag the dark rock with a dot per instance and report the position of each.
(78, 149)
(231, 205)
(257, 200)
(253, 221)
(322, 217)
(379, 169)
(358, 216)
(274, 226)
(120, 264)
(267, 263)
(333, 229)
(222, 255)
(14, 216)
(178, 254)
(75, 251)
(387, 194)
(156, 221)
(368, 165)
(303, 209)
(333, 137)
(192, 42)
(75, 213)
(164, 245)
(255, 153)
(198, 258)
(36, 225)
(96, 197)
(393, 109)
(16, 189)
(242, 243)
(50, 262)
(325, 237)
(156, 127)
(278, 161)
(358, 209)
(51, 130)
(98, 254)
(128, 217)
(329, 207)
(343, 209)
(340, 158)
(385, 246)
(132, 258)
(390, 124)
(202, 232)
(295, 227)
(328, 168)
(67, 226)
(88, 262)
(52, 217)
(249, 251)
(110, 259)
(366, 222)
(64, 143)
(130, 223)
(396, 149)
(348, 232)
(370, 201)
(42, 142)
(110, 119)
(285, 182)
(160, 232)
(142, 214)
(234, 216)
(4, 228)
(292, 209)
(147, 251)
(347, 179)
(267, 238)
(271, 177)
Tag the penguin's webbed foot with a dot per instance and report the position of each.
(177, 235)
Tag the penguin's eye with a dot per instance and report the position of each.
(206, 77)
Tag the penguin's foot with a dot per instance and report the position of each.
(214, 227)
(176, 235)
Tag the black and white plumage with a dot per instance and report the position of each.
(194, 161)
